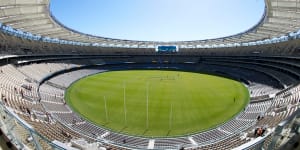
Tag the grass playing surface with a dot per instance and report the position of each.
(179, 103)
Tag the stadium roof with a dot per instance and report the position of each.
(280, 18)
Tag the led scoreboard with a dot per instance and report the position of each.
(166, 49)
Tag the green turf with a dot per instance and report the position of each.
(179, 103)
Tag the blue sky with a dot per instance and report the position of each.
(159, 20)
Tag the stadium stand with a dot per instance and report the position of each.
(36, 69)
(51, 110)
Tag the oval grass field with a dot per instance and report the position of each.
(179, 103)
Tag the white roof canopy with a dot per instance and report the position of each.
(280, 18)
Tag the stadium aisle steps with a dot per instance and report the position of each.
(192, 141)
(105, 134)
(151, 144)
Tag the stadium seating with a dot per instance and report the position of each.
(43, 106)
(34, 74)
